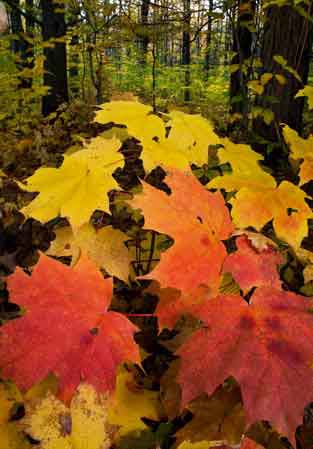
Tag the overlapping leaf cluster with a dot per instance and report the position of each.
(228, 240)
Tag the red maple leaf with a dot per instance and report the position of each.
(265, 345)
(253, 268)
(197, 220)
(66, 328)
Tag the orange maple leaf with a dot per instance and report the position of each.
(197, 220)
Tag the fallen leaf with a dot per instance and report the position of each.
(286, 205)
(65, 328)
(78, 187)
(83, 425)
(218, 418)
(264, 345)
(197, 255)
(105, 247)
(192, 134)
(131, 404)
(246, 169)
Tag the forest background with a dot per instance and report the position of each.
(246, 66)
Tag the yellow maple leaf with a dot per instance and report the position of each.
(192, 135)
(81, 426)
(131, 404)
(307, 91)
(256, 86)
(106, 247)
(149, 129)
(164, 154)
(300, 149)
(306, 171)
(246, 170)
(138, 117)
(199, 445)
(78, 187)
(285, 205)
(11, 436)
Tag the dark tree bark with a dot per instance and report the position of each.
(74, 58)
(242, 42)
(21, 47)
(288, 34)
(17, 29)
(186, 44)
(208, 42)
(55, 71)
(29, 46)
(73, 72)
(144, 38)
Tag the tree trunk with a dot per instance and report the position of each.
(21, 47)
(29, 46)
(144, 38)
(17, 29)
(242, 42)
(186, 49)
(287, 34)
(208, 42)
(55, 71)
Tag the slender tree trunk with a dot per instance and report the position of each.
(55, 69)
(21, 47)
(208, 42)
(144, 38)
(17, 29)
(287, 34)
(73, 71)
(29, 46)
(186, 57)
(74, 57)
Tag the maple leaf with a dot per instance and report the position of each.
(197, 255)
(258, 200)
(252, 268)
(105, 247)
(163, 153)
(157, 149)
(66, 329)
(246, 170)
(130, 403)
(300, 149)
(188, 140)
(78, 187)
(217, 418)
(307, 91)
(286, 205)
(82, 425)
(138, 118)
(173, 303)
(246, 443)
(265, 345)
(11, 436)
(192, 134)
